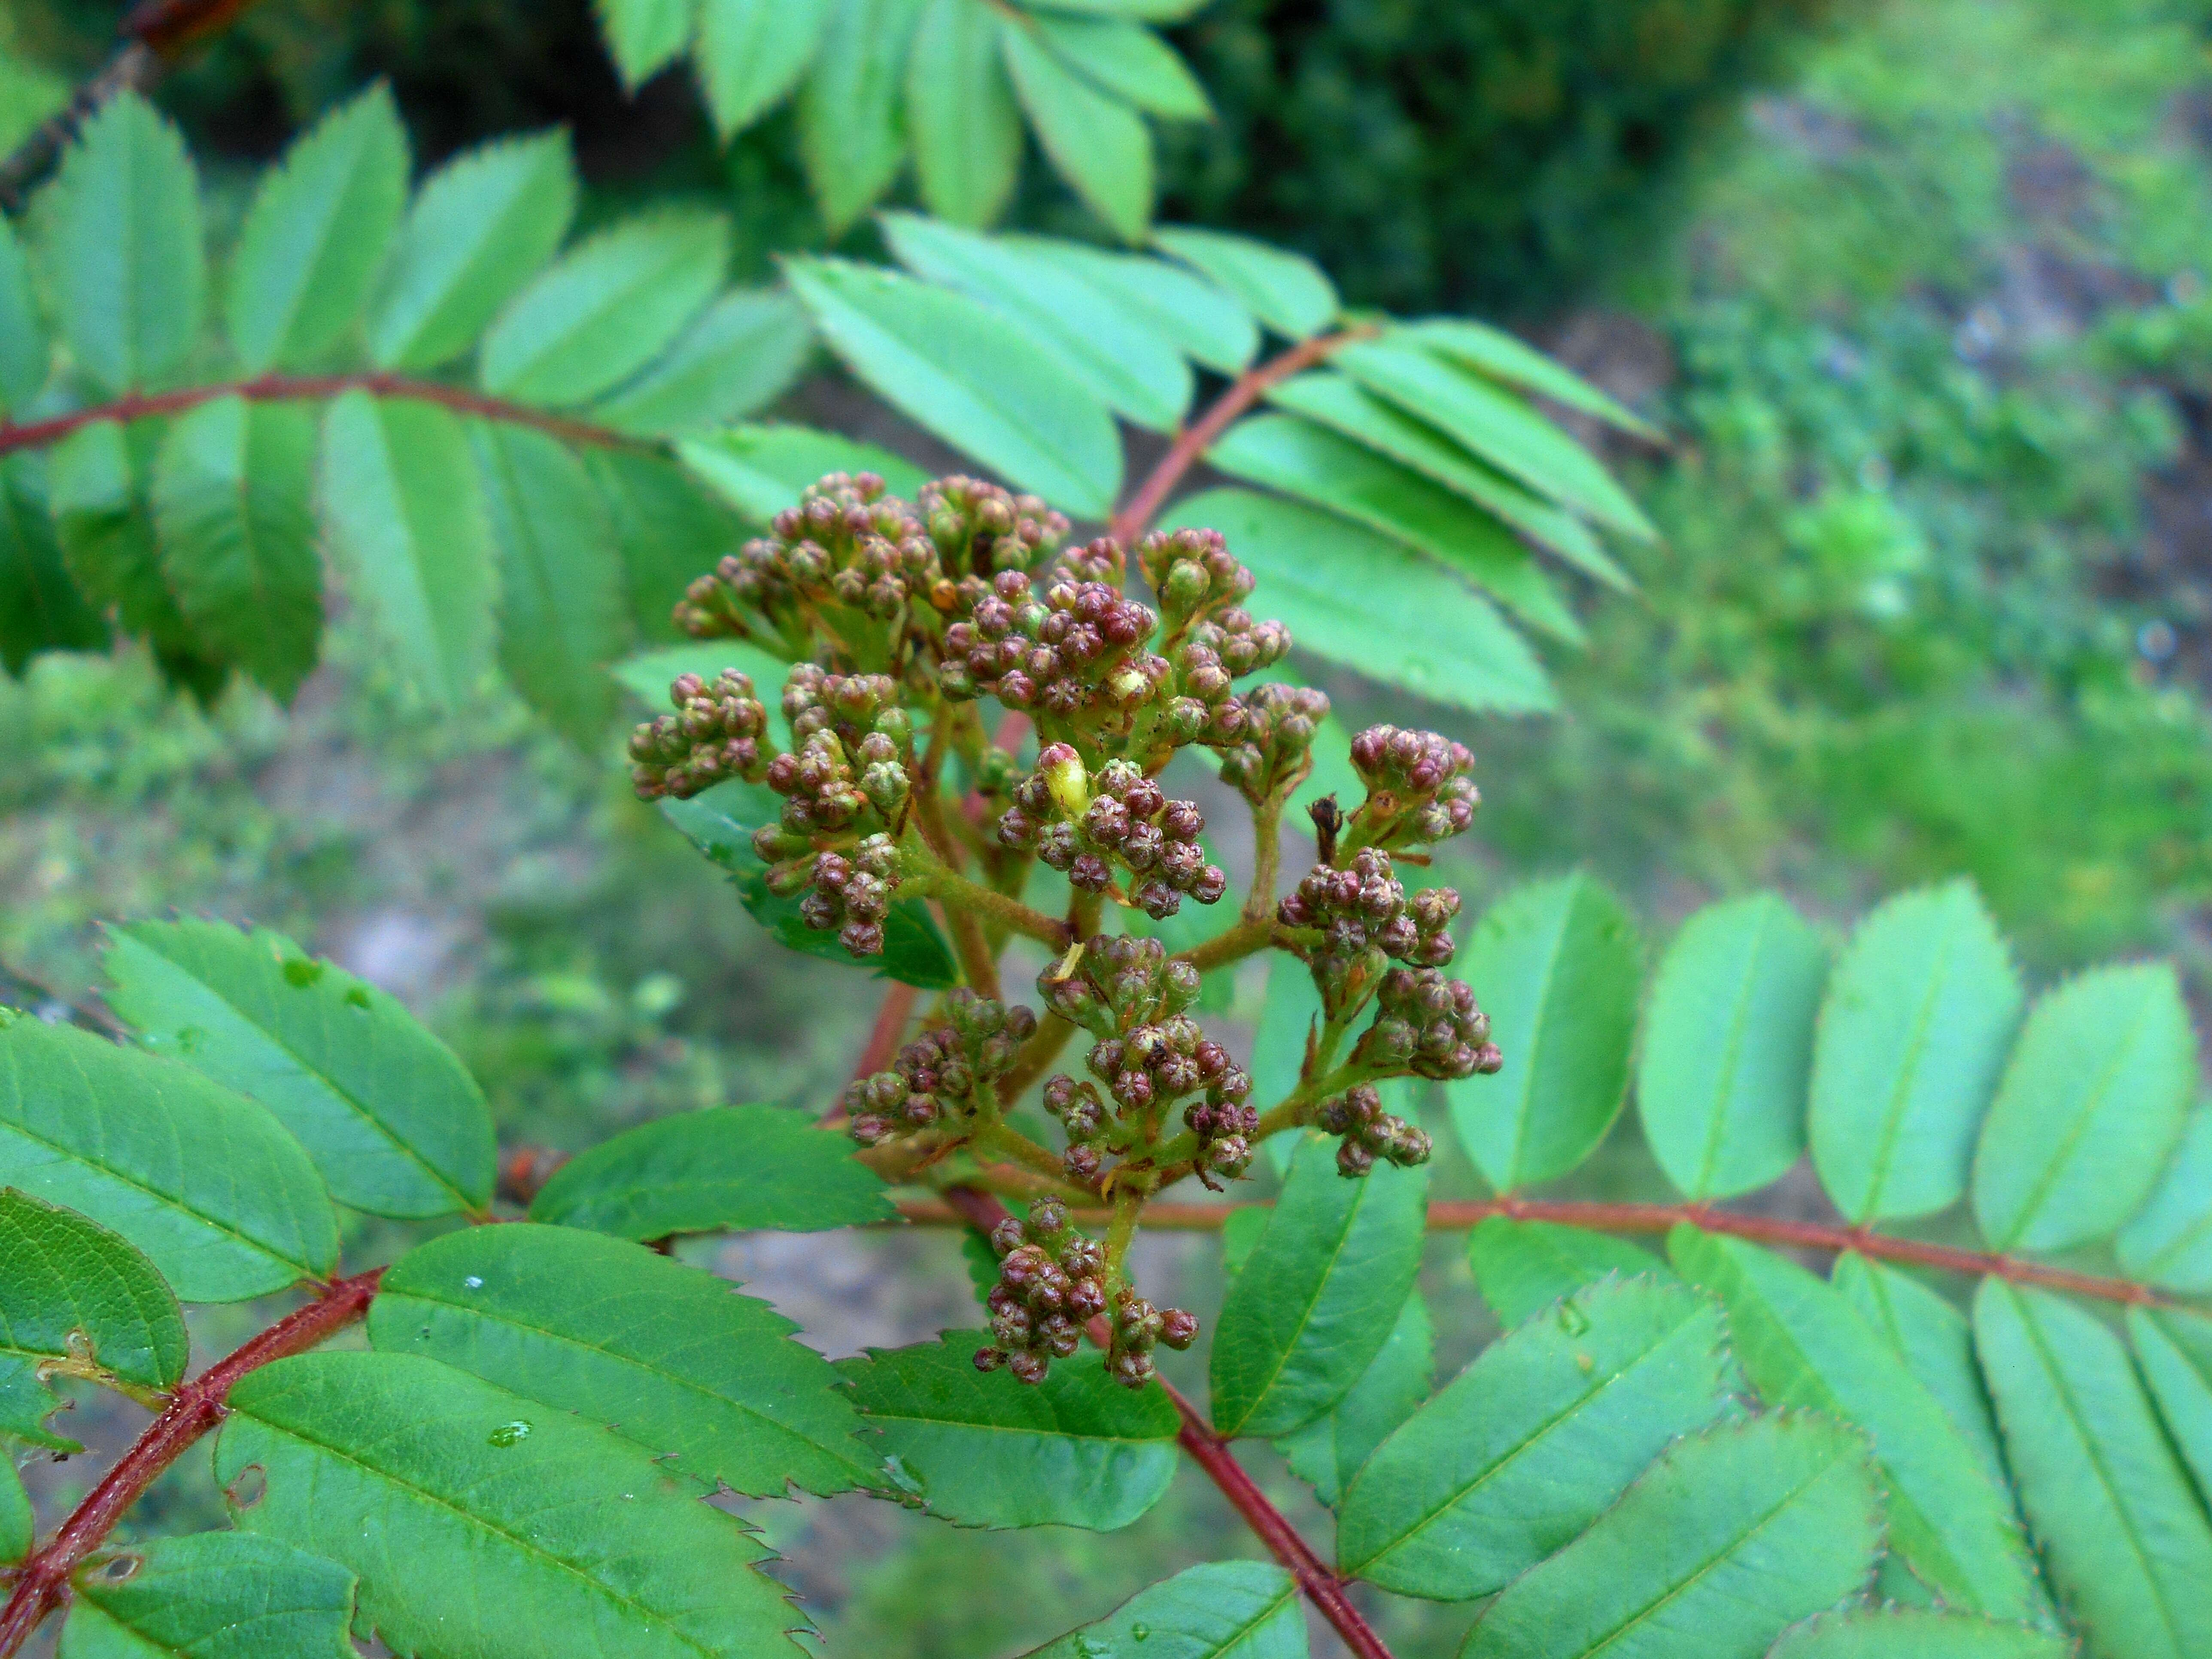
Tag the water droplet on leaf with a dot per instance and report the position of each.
(473, 1282)
(509, 1434)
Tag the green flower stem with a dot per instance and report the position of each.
(1266, 853)
(1247, 937)
(1003, 1140)
(1128, 1207)
(956, 892)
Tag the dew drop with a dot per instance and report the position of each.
(509, 1434)
(473, 1282)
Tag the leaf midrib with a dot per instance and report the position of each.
(1900, 1087)
(1525, 1106)
(1306, 1313)
(2117, 1055)
(1732, 1054)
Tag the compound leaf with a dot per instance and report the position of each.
(752, 52)
(481, 227)
(233, 495)
(1328, 1451)
(219, 1197)
(69, 1288)
(1319, 1296)
(1918, 1633)
(1534, 1440)
(395, 1124)
(2095, 1096)
(969, 375)
(1129, 62)
(1802, 1347)
(1914, 1027)
(744, 352)
(317, 234)
(1220, 1610)
(1366, 601)
(1522, 1267)
(664, 1355)
(481, 1521)
(608, 307)
(1284, 290)
(724, 1169)
(2170, 1241)
(2126, 1540)
(1935, 1340)
(982, 1449)
(852, 129)
(1205, 322)
(1729, 1539)
(1728, 1047)
(127, 266)
(1558, 962)
(1096, 142)
(561, 615)
(1504, 358)
(966, 127)
(402, 505)
(212, 1595)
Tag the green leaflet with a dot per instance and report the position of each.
(1205, 323)
(969, 375)
(480, 228)
(233, 491)
(1918, 1013)
(2126, 1541)
(1910, 1633)
(1342, 404)
(724, 1169)
(1314, 464)
(1287, 291)
(1522, 1267)
(1363, 600)
(19, 1523)
(984, 1450)
(666, 1356)
(26, 355)
(26, 1403)
(1328, 1451)
(2170, 1241)
(222, 1201)
(1728, 1047)
(212, 1595)
(960, 109)
(1495, 425)
(561, 615)
(395, 1124)
(401, 501)
(124, 263)
(1726, 1540)
(751, 52)
(719, 823)
(41, 606)
(1936, 1343)
(316, 236)
(483, 1522)
(762, 470)
(667, 531)
(1222, 1610)
(1095, 141)
(1120, 359)
(1529, 1445)
(852, 133)
(1557, 962)
(1503, 357)
(644, 36)
(1802, 1345)
(2095, 1097)
(1129, 62)
(606, 309)
(1320, 1294)
(70, 1289)
(2174, 1349)
(1288, 1014)
(744, 352)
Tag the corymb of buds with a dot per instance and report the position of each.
(1139, 1328)
(1429, 1025)
(943, 1073)
(1120, 984)
(715, 733)
(1366, 907)
(1053, 1278)
(1420, 786)
(1076, 656)
(1090, 826)
(1274, 752)
(1370, 1133)
(980, 529)
(853, 896)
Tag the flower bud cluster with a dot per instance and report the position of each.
(1075, 656)
(1139, 1328)
(1420, 786)
(980, 529)
(1369, 1133)
(1120, 984)
(1366, 907)
(1089, 826)
(1051, 1279)
(1429, 1025)
(943, 1073)
(715, 733)
(1274, 752)
(854, 895)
